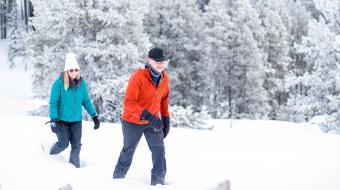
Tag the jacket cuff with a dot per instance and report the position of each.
(166, 120)
(145, 115)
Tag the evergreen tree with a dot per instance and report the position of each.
(297, 67)
(333, 121)
(16, 44)
(188, 118)
(202, 4)
(233, 59)
(176, 26)
(107, 36)
(321, 79)
(276, 44)
(116, 46)
(233, 36)
(218, 56)
(55, 30)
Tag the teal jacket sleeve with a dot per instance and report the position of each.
(87, 102)
(55, 99)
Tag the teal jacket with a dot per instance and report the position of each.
(66, 105)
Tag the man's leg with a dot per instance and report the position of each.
(75, 139)
(156, 146)
(131, 134)
(63, 138)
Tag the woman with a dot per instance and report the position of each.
(68, 95)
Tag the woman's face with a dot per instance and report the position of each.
(73, 73)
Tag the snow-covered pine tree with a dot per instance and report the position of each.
(217, 56)
(330, 12)
(116, 45)
(176, 27)
(333, 120)
(299, 28)
(107, 36)
(202, 4)
(55, 29)
(321, 78)
(237, 59)
(16, 44)
(276, 44)
(188, 118)
(297, 66)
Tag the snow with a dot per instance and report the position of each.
(318, 120)
(15, 84)
(252, 155)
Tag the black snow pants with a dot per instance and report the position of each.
(132, 133)
(68, 132)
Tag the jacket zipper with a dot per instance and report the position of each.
(154, 97)
(74, 103)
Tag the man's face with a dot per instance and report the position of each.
(158, 66)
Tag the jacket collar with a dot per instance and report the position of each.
(147, 74)
(72, 83)
(153, 72)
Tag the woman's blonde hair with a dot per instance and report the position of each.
(67, 79)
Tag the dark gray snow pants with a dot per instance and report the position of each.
(68, 132)
(132, 133)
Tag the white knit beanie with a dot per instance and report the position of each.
(71, 62)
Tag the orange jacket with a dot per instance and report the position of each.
(142, 93)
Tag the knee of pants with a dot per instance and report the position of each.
(160, 150)
(76, 146)
(63, 145)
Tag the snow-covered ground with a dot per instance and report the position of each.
(252, 155)
(15, 86)
(260, 155)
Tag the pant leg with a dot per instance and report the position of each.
(132, 133)
(63, 136)
(156, 146)
(75, 140)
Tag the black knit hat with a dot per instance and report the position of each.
(157, 54)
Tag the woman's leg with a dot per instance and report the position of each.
(62, 133)
(75, 140)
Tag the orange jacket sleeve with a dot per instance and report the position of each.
(165, 103)
(131, 96)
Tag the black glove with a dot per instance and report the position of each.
(166, 123)
(154, 121)
(54, 125)
(96, 122)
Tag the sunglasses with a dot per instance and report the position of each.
(73, 70)
(161, 62)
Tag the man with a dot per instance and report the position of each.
(146, 112)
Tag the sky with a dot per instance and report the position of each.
(251, 155)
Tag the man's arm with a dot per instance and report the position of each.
(131, 96)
